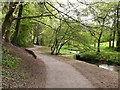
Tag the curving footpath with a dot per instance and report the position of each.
(62, 75)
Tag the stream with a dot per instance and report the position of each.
(99, 64)
(109, 67)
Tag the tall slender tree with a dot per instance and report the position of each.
(17, 24)
(118, 27)
(8, 20)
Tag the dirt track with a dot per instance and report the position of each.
(62, 75)
(99, 77)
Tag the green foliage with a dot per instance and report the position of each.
(9, 61)
(110, 57)
(107, 54)
(24, 38)
(65, 51)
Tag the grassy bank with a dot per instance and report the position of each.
(9, 61)
(107, 54)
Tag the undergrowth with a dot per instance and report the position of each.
(9, 61)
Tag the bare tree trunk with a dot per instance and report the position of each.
(98, 48)
(94, 44)
(113, 44)
(7, 33)
(33, 38)
(114, 30)
(110, 39)
(110, 44)
(7, 36)
(118, 29)
(37, 42)
(8, 17)
(17, 25)
(59, 49)
(99, 39)
(53, 49)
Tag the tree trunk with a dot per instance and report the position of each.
(118, 29)
(98, 48)
(118, 41)
(17, 25)
(7, 33)
(52, 50)
(59, 49)
(8, 18)
(37, 42)
(99, 39)
(7, 36)
(54, 46)
(114, 30)
(110, 44)
(113, 44)
(110, 39)
(33, 38)
(94, 44)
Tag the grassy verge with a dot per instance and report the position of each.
(11, 75)
(9, 61)
(105, 57)
(107, 54)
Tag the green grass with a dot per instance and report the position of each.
(65, 51)
(111, 57)
(108, 54)
(9, 61)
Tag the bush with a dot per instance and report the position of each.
(106, 57)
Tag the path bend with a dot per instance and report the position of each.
(62, 75)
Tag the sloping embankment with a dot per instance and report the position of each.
(31, 73)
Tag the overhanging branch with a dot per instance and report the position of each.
(33, 16)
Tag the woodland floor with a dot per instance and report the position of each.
(38, 72)
(31, 73)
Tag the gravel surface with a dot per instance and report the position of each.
(99, 77)
(62, 75)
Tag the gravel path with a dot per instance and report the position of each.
(62, 75)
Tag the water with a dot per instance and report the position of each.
(100, 64)
(110, 67)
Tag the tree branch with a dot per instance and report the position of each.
(45, 24)
(33, 16)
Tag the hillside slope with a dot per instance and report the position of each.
(31, 73)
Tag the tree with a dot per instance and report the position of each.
(114, 30)
(118, 28)
(8, 20)
(100, 18)
(17, 24)
(62, 35)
